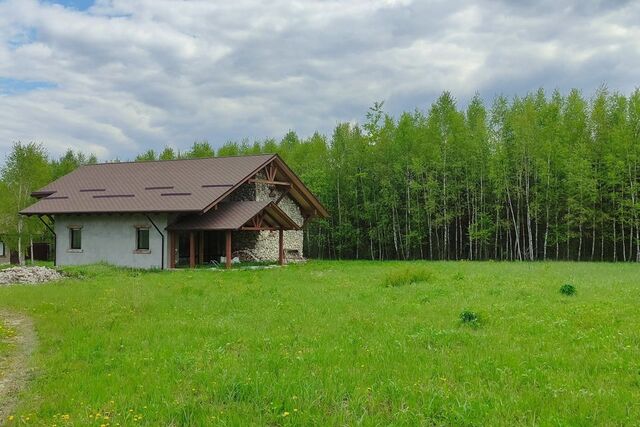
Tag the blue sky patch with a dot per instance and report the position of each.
(25, 36)
(73, 4)
(9, 86)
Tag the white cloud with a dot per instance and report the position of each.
(133, 75)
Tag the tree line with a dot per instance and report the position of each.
(539, 177)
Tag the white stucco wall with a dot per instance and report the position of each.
(111, 239)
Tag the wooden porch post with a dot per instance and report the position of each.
(192, 250)
(172, 249)
(280, 247)
(228, 249)
(201, 248)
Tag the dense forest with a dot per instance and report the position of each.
(545, 176)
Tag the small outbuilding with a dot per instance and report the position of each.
(5, 255)
(178, 212)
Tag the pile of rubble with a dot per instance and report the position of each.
(28, 275)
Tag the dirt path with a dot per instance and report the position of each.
(14, 368)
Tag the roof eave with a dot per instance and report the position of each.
(320, 210)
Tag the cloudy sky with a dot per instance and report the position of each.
(116, 77)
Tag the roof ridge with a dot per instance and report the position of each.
(178, 160)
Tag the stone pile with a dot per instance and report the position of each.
(28, 275)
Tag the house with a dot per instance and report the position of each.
(178, 212)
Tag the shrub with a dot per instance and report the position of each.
(567, 289)
(407, 276)
(469, 317)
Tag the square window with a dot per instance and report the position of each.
(142, 239)
(75, 238)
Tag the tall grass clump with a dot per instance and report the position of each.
(406, 276)
(469, 317)
(567, 289)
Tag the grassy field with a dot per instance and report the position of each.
(336, 343)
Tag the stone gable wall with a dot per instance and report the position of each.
(263, 245)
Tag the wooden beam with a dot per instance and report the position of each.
(269, 182)
(201, 248)
(271, 171)
(172, 249)
(284, 193)
(228, 249)
(192, 249)
(256, 221)
(258, 229)
(285, 218)
(280, 247)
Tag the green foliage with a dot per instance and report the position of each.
(537, 177)
(406, 276)
(69, 162)
(167, 154)
(543, 176)
(149, 155)
(568, 289)
(200, 150)
(229, 149)
(469, 317)
(26, 169)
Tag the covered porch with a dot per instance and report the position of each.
(209, 239)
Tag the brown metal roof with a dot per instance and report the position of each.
(163, 186)
(234, 215)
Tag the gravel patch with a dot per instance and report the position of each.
(28, 275)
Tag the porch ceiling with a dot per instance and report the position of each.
(253, 215)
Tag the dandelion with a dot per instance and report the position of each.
(285, 414)
(11, 417)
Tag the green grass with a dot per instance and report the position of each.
(6, 335)
(28, 264)
(329, 343)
